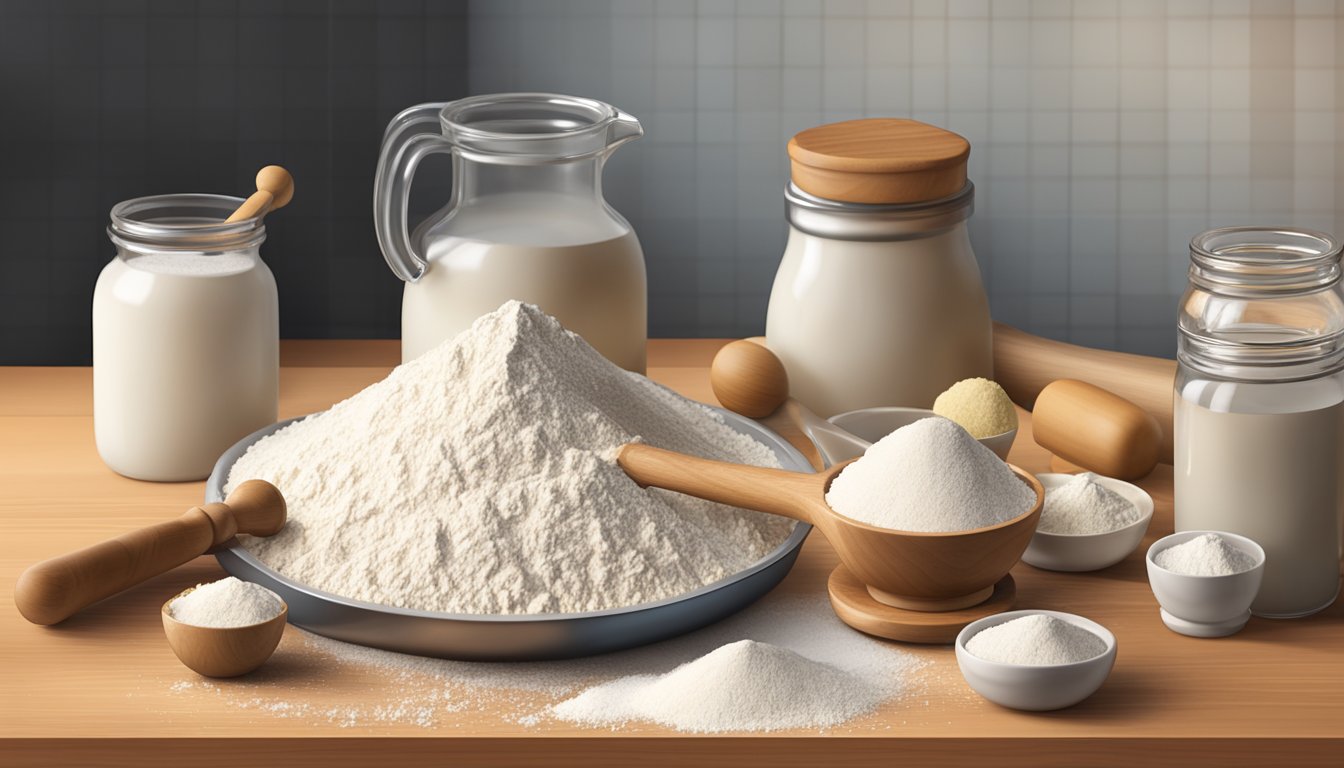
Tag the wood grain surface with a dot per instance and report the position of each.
(105, 689)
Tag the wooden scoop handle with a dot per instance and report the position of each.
(775, 491)
(56, 589)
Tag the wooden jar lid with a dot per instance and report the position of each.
(879, 160)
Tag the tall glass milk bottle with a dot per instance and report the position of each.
(185, 337)
(527, 220)
(1259, 406)
(878, 299)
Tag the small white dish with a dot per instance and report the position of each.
(873, 424)
(1205, 606)
(1075, 552)
(1036, 688)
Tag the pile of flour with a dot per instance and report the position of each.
(1084, 506)
(1038, 640)
(226, 603)
(480, 478)
(742, 686)
(929, 476)
(1205, 555)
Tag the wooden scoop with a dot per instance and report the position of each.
(56, 589)
(275, 188)
(749, 379)
(905, 569)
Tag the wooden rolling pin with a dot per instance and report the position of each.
(1024, 364)
(54, 590)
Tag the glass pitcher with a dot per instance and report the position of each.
(527, 220)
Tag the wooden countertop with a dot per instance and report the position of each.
(104, 687)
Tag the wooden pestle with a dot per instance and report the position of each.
(275, 188)
(54, 590)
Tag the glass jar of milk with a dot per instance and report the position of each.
(878, 299)
(1259, 406)
(527, 220)
(185, 337)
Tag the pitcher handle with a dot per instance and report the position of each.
(410, 137)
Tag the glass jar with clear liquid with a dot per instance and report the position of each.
(527, 220)
(1259, 406)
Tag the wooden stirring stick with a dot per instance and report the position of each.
(275, 188)
(56, 589)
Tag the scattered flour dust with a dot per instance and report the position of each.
(360, 687)
(480, 478)
(929, 476)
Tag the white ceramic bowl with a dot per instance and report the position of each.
(1089, 551)
(873, 424)
(1035, 687)
(1205, 606)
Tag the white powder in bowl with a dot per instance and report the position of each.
(226, 603)
(1205, 555)
(929, 476)
(1084, 506)
(1036, 640)
(742, 686)
(481, 478)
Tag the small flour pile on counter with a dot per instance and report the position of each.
(440, 693)
(226, 603)
(1206, 555)
(929, 476)
(1083, 506)
(481, 478)
(742, 686)
(1037, 640)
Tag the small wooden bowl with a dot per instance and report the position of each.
(223, 651)
(934, 571)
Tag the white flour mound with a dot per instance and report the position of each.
(1084, 506)
(226, 603)
(1206, 555)
(929, 476)
(481, 478)
(1037, 640)
(742, 686)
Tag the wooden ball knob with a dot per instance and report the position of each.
(1096, 429)
(275, 188)
(258, 508)
(278, 182)
(748, 379)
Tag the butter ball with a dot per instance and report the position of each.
(979, 405)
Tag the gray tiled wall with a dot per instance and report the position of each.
(1104, 134)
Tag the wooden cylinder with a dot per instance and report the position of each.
(879, 160)
(1096, 430)
(1025, 364)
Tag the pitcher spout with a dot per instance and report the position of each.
(624, 128)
